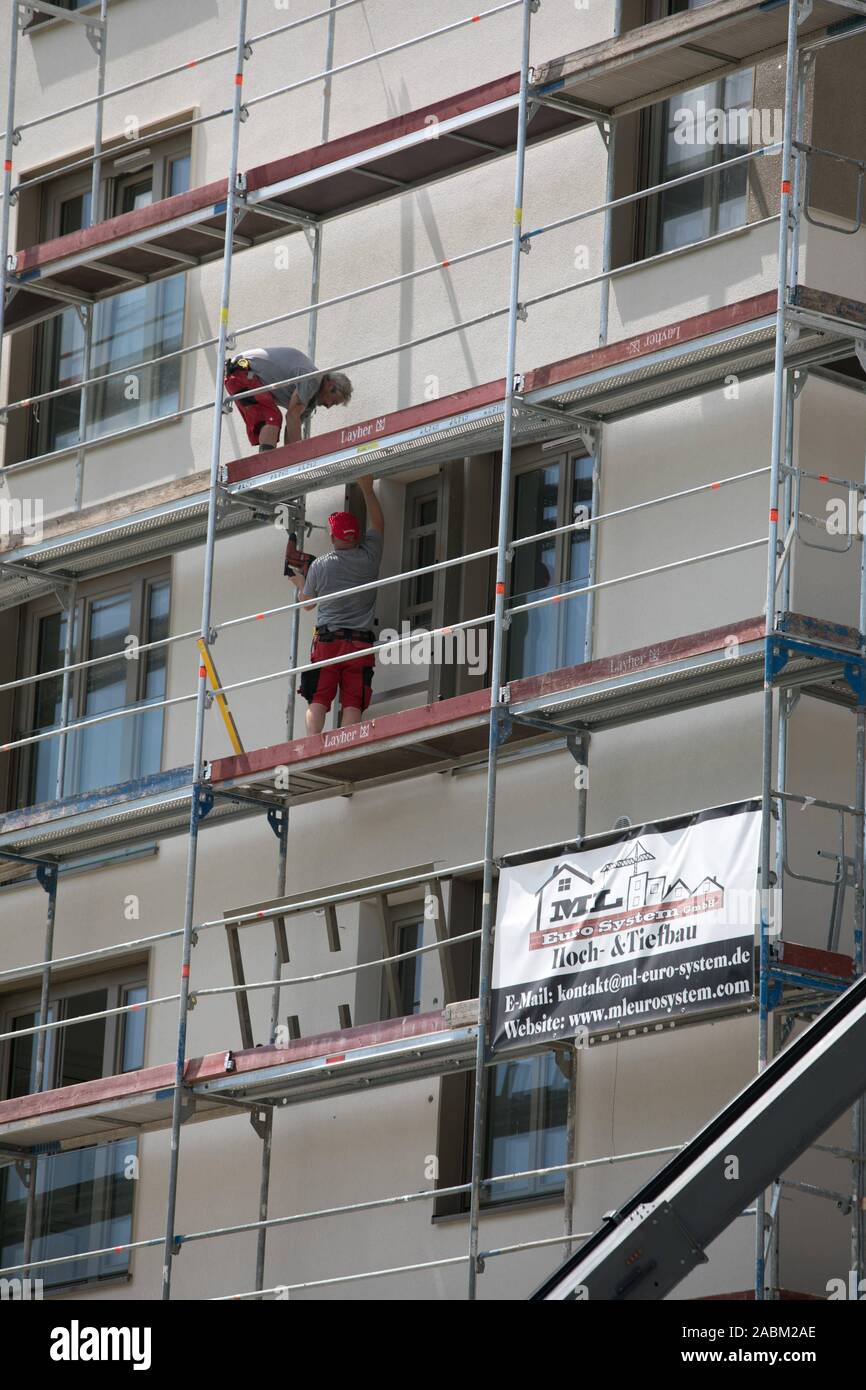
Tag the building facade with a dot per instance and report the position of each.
(105, 534)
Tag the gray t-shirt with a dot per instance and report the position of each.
(342, 569)
(278, 364)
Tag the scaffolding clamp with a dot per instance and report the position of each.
(46, 875)
(204, 804)
(217, 695)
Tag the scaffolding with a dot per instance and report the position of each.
(790, 332)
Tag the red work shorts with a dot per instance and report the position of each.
(353, 679)
(258, 410)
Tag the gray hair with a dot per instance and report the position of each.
(341, 384)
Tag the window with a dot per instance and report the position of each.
(692, 131)
(420, 544)
(107, 615)
(129, 328)
(527, 1101)
(527, 1104)
(546, 496)
(83, 1198)
(406, 934)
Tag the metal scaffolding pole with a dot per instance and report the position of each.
(47, 875)
(314, 236)
(610, 188)
(778, 440)
(858, 1117)
(207, 598)
(498, 706)
(87, 311)
(6, 207)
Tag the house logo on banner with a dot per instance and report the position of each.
(661, 929)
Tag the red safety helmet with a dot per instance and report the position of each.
(344, 526)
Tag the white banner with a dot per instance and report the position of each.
(656, 925)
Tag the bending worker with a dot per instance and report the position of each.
(299, 398)
(346, 624)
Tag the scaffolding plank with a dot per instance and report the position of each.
(684, 50)
(74, 1115)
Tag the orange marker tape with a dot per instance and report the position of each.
(202, 670)
(239, 79)
(786, 185)
(184, 972)
(774, 514)
(715, 486)
(500, 588)
(823, 478)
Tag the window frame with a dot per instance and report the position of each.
(653, 133)
(135, 974)
(163, 153)
(140, 582)
(417, 492)
(400, 917)
(566, 504)
(115, 982)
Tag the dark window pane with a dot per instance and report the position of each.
(42, 762)
(82, 1047)
(409, 938)
(149, 724)
(84, 1202)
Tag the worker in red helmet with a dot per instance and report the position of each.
(344, 625)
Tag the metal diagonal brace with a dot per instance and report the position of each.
(220, 699)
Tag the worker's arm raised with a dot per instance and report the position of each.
(375, 515)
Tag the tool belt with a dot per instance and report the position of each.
(238, 364)
(344, 634)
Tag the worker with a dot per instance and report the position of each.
(261, 412)
(343, 625)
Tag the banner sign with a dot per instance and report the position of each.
(655, 926)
